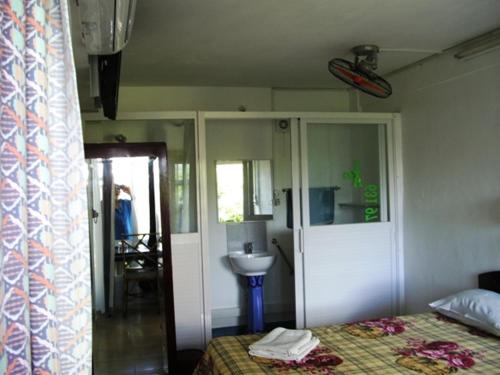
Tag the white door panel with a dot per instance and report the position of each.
(348, 238)
(348, 273)
(188, 290)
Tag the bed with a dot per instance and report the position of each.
(428, 343)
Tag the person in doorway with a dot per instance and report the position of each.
(123, 213)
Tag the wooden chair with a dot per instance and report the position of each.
(140, 263)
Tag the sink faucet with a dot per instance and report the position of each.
(248, 247)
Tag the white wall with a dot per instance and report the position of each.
(172, 98)
(161, 98)
(451, 141)
(135, 131)
(311, 100)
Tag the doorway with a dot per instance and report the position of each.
(249, 179)
(348, 224)
(133, 307)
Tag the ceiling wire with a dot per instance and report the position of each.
(465, 44)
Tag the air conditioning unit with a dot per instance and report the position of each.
(106, 24)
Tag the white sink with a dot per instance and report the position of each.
(254, 264)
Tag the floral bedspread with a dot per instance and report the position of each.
(425, 343)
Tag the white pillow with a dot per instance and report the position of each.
(475, 307)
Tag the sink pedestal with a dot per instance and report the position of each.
(254, 266)
(255, 304)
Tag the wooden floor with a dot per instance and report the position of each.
(132, 344)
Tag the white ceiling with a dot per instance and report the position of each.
(285, 43)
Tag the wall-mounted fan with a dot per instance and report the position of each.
(359, 73)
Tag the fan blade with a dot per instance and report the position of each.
(361, 81)
(365, 81)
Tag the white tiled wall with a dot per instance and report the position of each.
(241, 233)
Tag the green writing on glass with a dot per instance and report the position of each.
(370, 192)
(371, 203)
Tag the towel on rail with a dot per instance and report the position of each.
(321, 206)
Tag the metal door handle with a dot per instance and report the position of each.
(301, 241)
(95, 216)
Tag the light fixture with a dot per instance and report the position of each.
(106, 25)
(480, 45)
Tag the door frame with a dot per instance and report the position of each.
(392, 168)
(395, 163)
(159, 150)
(178, 239)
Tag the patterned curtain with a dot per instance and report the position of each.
(45, 303)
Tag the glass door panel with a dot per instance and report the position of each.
(347, 173)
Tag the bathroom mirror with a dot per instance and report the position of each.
(244, 190)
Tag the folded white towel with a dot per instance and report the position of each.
(285, 344)
(297, 356)
(282, 340)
